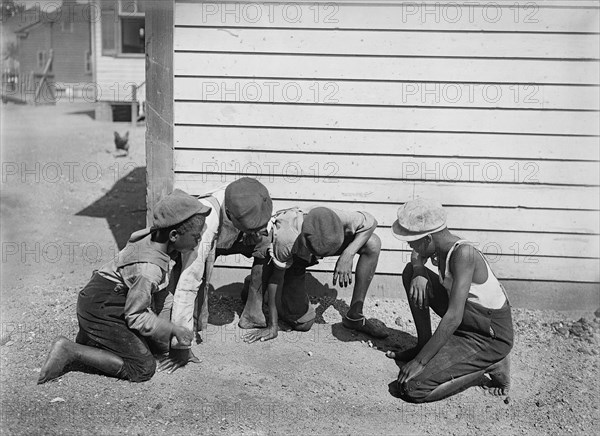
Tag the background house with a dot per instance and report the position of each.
(491, 108)
(118, 29)
(64, 32)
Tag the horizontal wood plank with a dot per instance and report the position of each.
(505, 267)
(417, 69)
(470, 194)
(388, 143)
(387, 93)
(337, 166)
(513, 244)
(381, 118)
(384, 43)
(498, 16)
(461, 219)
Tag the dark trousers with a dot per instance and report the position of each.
(100, 312)
(484, 337)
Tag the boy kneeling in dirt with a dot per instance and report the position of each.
(475, 334)
(298, 240)
(125, 308)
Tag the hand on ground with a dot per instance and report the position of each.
(175, 360)
(261, 335)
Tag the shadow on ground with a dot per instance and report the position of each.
(89, 113)
(123, 207)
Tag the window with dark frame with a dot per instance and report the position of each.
(123, 27)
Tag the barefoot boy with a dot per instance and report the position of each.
(475, 334)
(116, 309)
(237, 224)
(298, 240)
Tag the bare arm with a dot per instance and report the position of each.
(462, 267)
(343, 267)
(273, 288)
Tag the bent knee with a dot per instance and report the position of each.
(407, 275)
(372, 247)
(141, 370)
(415, 392)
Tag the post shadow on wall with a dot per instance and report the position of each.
(123, 207)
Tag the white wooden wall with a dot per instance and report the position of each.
(365, 105)
(113, 75)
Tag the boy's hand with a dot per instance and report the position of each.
(417, 293)
(176, 359)
(184, 336)
(261, 334)
(343, 270)
(410, 370)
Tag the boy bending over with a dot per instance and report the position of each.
(298, 240)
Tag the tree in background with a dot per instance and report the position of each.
(10, 8)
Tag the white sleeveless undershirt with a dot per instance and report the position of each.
(489, 294)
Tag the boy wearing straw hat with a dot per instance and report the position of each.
(298, 240)
(475, 335)
(119, 310)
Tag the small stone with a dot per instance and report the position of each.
(57, 400)
(539, 403)
(310, 354)
(507, 400)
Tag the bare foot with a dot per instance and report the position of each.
(403, 356)
(59, 356)
(499, 373)
(252, 319)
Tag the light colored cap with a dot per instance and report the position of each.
(418, 218)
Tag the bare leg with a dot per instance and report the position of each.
(365, 270)
(64, 351)
(253, 317)
(455, 386)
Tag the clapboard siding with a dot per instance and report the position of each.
(372, 104)
(335, 167)
(506, 267)
(388, 93)
(515, 147)
(294, 187)
(389, 44)
(114, 76)
(449, 16)
(387, 118)
(521, 71)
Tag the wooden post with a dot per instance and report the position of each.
(44, 76)
(134, 106)
(159, 101)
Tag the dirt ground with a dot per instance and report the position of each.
(67, 205)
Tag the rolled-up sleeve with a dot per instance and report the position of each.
(192, 275)
(143, 280)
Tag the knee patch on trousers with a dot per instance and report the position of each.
(414, 392)
(141, 370)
